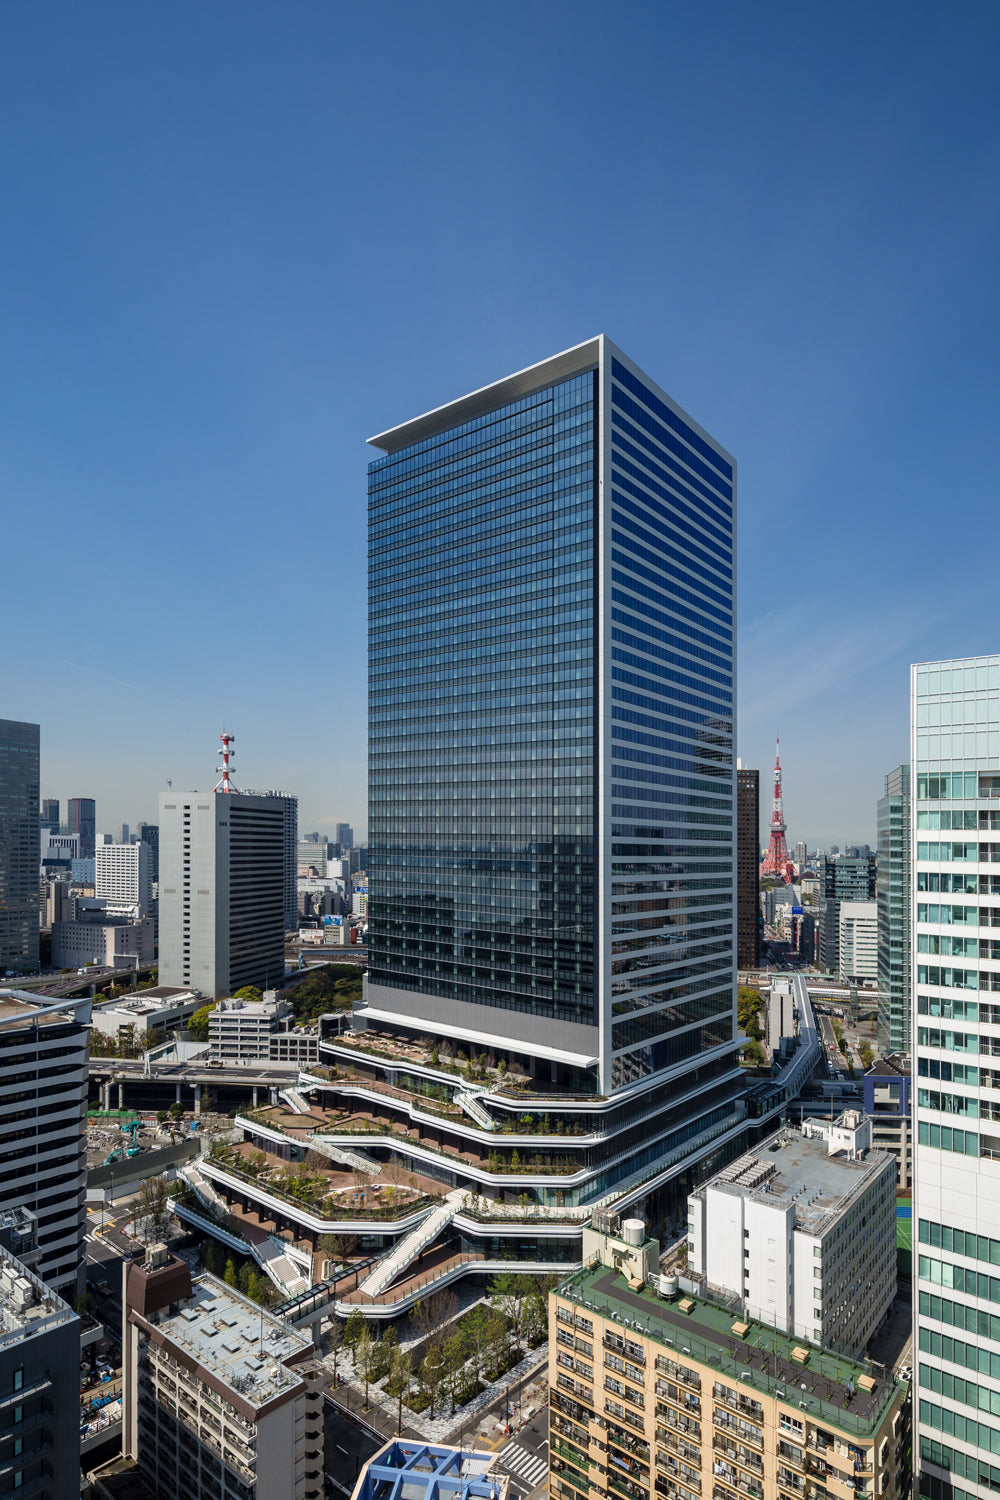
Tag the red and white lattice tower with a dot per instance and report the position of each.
(777, 862)
(226, 785)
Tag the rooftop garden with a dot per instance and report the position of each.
(314, 1185)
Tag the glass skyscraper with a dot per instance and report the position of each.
(893, 865)
(552, 842)
(19, 846)
(955, 890)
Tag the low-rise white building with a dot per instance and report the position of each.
(222, 1400)
(164, 1008)
(114, 943)
(803, 1231)
(241, 1030)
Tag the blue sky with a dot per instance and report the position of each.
(238, 239)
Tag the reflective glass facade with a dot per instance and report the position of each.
(551, 736)
(19, 846)
(481, 718)
(670, 602)
(955, 959)
(894, 913)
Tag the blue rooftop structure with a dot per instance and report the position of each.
(428, 1471)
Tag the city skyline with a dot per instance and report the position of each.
(209, 307)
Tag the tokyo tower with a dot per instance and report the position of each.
(776, 862)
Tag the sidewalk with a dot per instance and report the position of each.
(522, 1392)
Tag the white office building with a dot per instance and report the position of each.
(803, 1231)
(158, 1009)
(858, 939)
(955, 887)
(223, 862)
(221, 1399)
(122, 875)
(240, 1030)
(113, 943)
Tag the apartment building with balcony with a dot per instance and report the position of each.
(657, 1393)
(39, 1387)
(222, 1401)
(43, 1142)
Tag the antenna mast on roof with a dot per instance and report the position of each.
(225, 785)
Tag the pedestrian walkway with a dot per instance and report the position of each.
(530, 1467)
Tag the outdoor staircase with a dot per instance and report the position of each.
(294, 1100)
(475, 1110)
(202, 1188)
(411, 1245)
(269, 1253)
(344, 1156)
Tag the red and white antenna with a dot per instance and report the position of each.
(225, 785)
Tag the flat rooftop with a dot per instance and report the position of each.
(429, 1471)
(800, 1168)
(239, 1341)
(826, 1386)
(27, 1305)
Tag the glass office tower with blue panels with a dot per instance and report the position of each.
(552, 821)
(955, 894)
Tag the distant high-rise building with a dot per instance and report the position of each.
(858, 939)
(43, 1145)
(19, 846)
(50, 814)
(149, 834)
(801, 856)
(121, 875)
(310, 856)
(223, 862)
(83, 821)
(344, 836)
(955, 966)
(893, 865)
(840, 879)
(747, 867)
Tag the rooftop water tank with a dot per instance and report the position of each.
(633, 1231)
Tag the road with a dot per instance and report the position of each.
(834, 1057)
(348, 1445)
(526, 1457)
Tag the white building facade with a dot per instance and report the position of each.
(803, 1231)
(859, 939)
(222, 890)
(122, 875)
(955, 891)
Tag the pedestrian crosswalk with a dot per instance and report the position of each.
(531, 1467)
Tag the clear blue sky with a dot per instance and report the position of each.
(237, 239)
